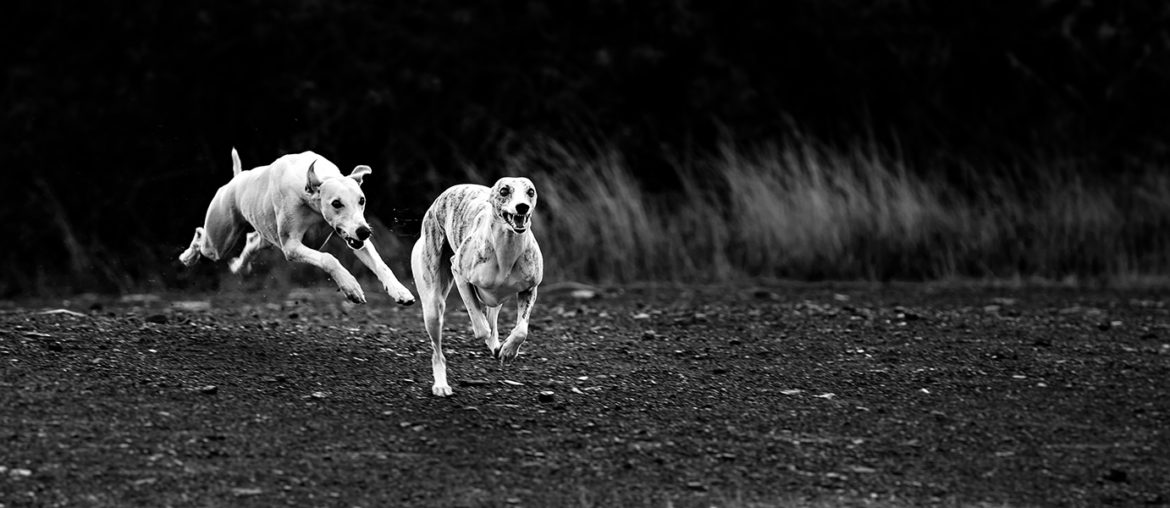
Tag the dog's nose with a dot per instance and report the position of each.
(363, 233)
(522, 209)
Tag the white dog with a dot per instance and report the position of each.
(281, 202)
(479, 239)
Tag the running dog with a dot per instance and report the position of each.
(281, 202)
(480, 239)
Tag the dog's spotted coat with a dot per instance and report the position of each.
(480, 240)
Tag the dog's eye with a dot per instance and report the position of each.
(504, 191)
(531, 193)
(337, 203)
(361, 201)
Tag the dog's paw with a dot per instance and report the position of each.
(401, 295)
(238, 266)
(189, 257)
(357, 297)
(508, 352)
(441, 390)
(351, 289)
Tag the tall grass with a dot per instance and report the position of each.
(809, 211)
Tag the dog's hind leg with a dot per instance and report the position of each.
(511, 347)
(221, 230)
(191, 255)
(243, 263)
(431, 267)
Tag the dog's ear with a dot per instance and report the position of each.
(313, 182)
(360, 172)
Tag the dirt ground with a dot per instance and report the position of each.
(796, 395)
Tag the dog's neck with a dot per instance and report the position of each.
(508, 244)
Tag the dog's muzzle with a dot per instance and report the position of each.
(519, 223)
(363, 234)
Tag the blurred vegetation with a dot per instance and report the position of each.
(118, 119)
(807, 211)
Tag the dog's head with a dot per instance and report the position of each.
(342, 204)
(513, 200)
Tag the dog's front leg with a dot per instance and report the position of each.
(297, 252)
(511, 347)
(373, 261)
(476, 311)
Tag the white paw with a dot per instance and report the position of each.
(189, 257)
(441, 390)
(237, 265)
(351, 289)
(400, 295)
(509, 351)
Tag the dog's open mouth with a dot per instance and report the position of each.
(354, 243)
(519, 223)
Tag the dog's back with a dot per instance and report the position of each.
(455, 211)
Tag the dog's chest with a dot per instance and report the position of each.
(492, 273)
(496, 274)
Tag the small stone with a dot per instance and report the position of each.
(209, 390)
(649, 335)
(140, 298)
(696, 486)
(583, 294)
(1116, 475)
(546, 396)
(192, 305)
(318, 395)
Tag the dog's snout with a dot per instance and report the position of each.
(363, 233)
(522, 209)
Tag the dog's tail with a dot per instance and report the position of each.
(236, 166)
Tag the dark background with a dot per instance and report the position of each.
(119, 117)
